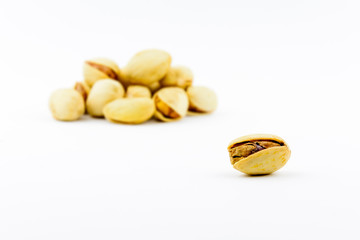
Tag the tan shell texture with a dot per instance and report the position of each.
(135, 91)
(147, 67)
(171, 104)
(265, 161)
(66, 105)
(83, 89)
(179, 76)
(129, 110)
(100, 68)
(201, 100)
(103, 92)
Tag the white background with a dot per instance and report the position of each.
(289, 68)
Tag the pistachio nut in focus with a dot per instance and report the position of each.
(171, 104)
(66, 105)
(258, 154)
(103, 92)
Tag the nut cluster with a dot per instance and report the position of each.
(148, 86)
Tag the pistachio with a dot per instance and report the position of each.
(100, 68)
(83, 89)
(201, 100)
(258, 154)
(129, 110)
(154, 86)
(136, 91)
(66, 105)
(147, 67)
(179, 76)
(103, 92)
(171, 104)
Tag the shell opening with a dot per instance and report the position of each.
(102, 68)
(165, 110)
(242, 150)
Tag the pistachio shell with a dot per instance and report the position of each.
(66, 105)
(201, 100)
(179, 76)
(171, 104)
(129, 110)
(103, 92)
(263, 161)
(154, 86)
(136, 91)
(100, 68)
(147, 67)
(83, 89)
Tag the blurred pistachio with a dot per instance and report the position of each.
(129, 110)
(103, 92)
(201, 100)
(66, 105)
(171, 104)
(135, 91)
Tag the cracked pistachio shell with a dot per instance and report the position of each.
(260, 160)
(136, 91)
(103, 92)
(201, 100)
(129, 110)
(83, 89)
(147, 67)
(100, 68)
(171, 104)
(66, 105)
(178, 76)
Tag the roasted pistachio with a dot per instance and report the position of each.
(201, 100)
(66, 105)
(171, 104)
(100, 68)
(129, 110)
(258, 154)
(154, 86)
(135, 91)
(147, 67)
(179, 76)
(103, 92)
(83, 89)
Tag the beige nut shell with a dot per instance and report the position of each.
(92, 74)
(66, 105)
(83, 89)
(202, 100)
(174, 98)
(129, 110)
(265, 161)
(135, 91)
(103, 92)
(147, 67)
(178, 76)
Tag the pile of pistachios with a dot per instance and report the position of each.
(148, 86)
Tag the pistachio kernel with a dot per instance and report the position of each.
(245, 149)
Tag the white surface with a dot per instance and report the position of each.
(289, 68)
